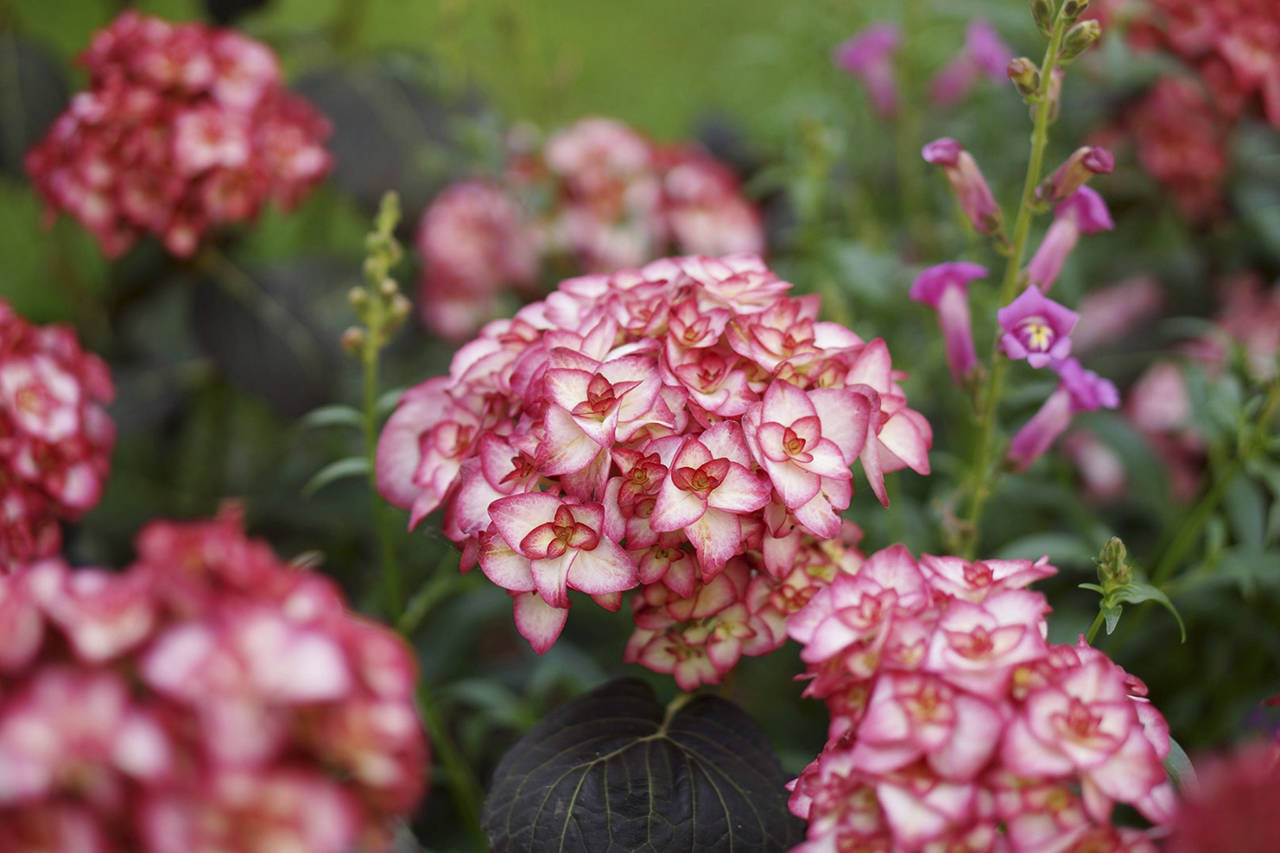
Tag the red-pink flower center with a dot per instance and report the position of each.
(703, 479)
(554, 538)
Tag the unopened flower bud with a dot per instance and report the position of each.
(1024, 75)
(388, 287)
(1072, 10)
(353, 339)
(971, 189)
(357, 298)
(1082, 165)
(1079, 39)
(399, 308)
(1042, 11)
(1113, 565)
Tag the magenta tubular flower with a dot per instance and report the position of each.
(984, 53)
(1083, 164)
(1084, 212)
(945, 288)
(971, 189)
(1079, 391)
(1036, 328)
(869, 56)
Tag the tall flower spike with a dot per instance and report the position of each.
(1083, 164)
(869, 56)
(1036, 328)
(1084, 212)
(1080, 390)
(975, 197)
(945, 288)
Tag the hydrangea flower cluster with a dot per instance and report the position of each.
(184, 127)
(955, 725)
(687, 427)
(55, 436)
(208, 697)
(597, 197)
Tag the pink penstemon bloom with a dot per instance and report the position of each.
(1083, 212)
(976, 201)
(984, 54)
(869, 56)
(1036, 328)
(1079, 390)
(945, 288)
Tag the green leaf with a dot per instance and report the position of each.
(1093, 586)
(1136, 593)
(1246, 510)
(1062, 548)
(612, 770)
(34, 90)
(388, 401)
(1111, 617)
(352, 466)
(327, 416)
(1178, 765)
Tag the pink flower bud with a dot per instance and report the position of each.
(1082, 165)
(971, 189)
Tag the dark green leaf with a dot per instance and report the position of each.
(1246, 509)
(352, 466)
(337, 415)
(33, 90)
(612, 771)
(388, 401)
(1136, 593)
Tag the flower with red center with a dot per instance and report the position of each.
(966, 179)
(869, 56)
(1036, 328)
(945, 288)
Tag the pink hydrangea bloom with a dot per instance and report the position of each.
(956, 725)
(869, 56)
(1036, 328)
(209, 696)
(184, 127)
(945, 288)
(55, 436)
(597, 197)
(687, 427)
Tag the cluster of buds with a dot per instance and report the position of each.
(208, 697)
(956, 725)
(184, 127)
(688, 427)
(379, 304)
(55, 436)
(597, 197)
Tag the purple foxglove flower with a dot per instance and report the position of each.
(1036, 328)
(1084, 212)
(1079, 390)
(1082, 165)
(976, 200)
(945, 288)
(869, 56)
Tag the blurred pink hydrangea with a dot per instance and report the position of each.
(184, 127)
(55, 436)
(956, 725)
(687, 427)
(1231, 805)
(207, 697)
(597, 197)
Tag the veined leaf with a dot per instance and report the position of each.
(1136, 593)
(612, 770)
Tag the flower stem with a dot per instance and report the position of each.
(1093, 628)
(462, 782)
(983, 475)
(392, 591)
(1191, 526)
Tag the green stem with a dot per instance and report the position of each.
(462, 782)
(984, 474)
(1093, 629)
(1191, 526)
(392, 588)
